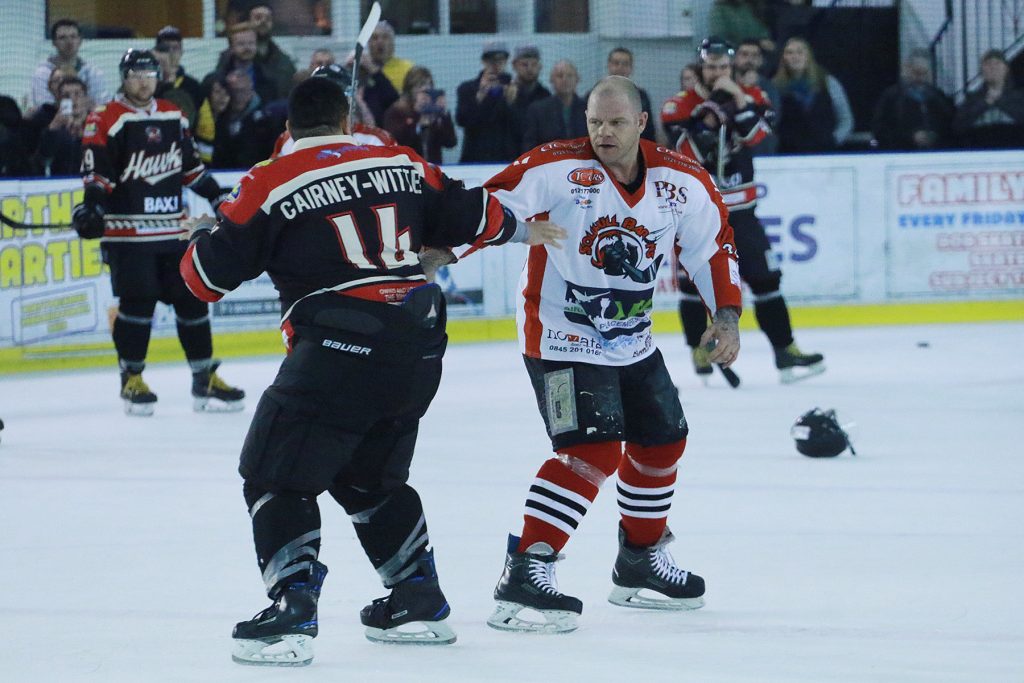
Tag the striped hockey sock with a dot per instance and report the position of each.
(565, 487)
(647, 478)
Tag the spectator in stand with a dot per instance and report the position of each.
(913, 114)
(620, 63)
(241, 55)
(815, 113)
(737, 20)
(59, 151)
(245, 132)
(206, 127)
(689, 79)
(278, 66)
(320, 57)
(526, 66)
(993, 115)
(175, 85)
(420, 118)
(563, 116)
(375, 90)
(747, 70)
(38, 118)
(14, 153)
(382, 53)
(485, 110)
(67, 38)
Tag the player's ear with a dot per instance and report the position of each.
(643, 120)
(288, 126)
(346, 129)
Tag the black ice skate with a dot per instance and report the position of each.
(282, 634)
(211, 394)
(138, 399)
(795, 365)
(649, 578)
(414, 613)
(528, 583)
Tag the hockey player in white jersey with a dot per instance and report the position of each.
(601, 384)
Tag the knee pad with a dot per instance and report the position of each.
(765, 285)
(593, 462)
(655, 461)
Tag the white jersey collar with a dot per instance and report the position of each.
(321, 140)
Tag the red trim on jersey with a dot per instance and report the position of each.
(536, 264)
(193, 280)
(283, 138)
(387, 292)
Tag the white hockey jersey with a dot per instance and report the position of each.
(591, 300)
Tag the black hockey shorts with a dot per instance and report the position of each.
(588, 403)
(345, 406)
(148, 270)
(756, 261)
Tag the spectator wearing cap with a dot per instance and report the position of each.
(67, 38)
(563, 116)
(382, 53)
(278, 66)
(992, 116)
(484, 110)
(620, 63)
(526, 65)
(241, 54)
(175, 85)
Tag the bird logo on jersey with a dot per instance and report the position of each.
(620, 249)
(153, 135)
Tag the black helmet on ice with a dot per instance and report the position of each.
(818, 434)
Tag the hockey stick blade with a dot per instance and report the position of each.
(17, 225)
(361, 42)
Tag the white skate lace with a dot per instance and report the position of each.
(665, 567)
(542, 575)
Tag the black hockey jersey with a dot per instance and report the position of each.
(335, 217)
(140, 158)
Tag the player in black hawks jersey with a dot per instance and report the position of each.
(137, 155)
(339, 226)
(718, 124)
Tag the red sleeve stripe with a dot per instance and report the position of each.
(195, 277)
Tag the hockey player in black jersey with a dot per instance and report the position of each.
(137, 154)
(338, 225)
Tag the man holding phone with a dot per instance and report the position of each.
(59, 151)
(485, 110)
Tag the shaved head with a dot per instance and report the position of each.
(616, 85)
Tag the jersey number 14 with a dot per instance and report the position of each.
(391, 248)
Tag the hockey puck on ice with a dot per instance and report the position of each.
(923, 345)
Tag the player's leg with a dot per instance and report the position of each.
(210, 393)
(694, 318)
(583, 414)
(645, 575)
(760, 272)
(134, 280)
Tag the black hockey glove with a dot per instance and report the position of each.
(87, 220)
(207, 188)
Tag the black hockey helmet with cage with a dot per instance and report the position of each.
(713, 46)
(138, 60)
(335, 72)
(818, 434)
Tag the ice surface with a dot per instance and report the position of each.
(127, 552)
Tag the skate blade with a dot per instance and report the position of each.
(643, 598)
(508, 617)
(413, 633)
(213, 405)
(293, 650)
(139, 409)
(798, 374)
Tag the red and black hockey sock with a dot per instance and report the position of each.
(565, 487)
(286, 531)
(647, 478)
(391, 528)
(132, 328)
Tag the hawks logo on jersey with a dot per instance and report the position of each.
(621, 248)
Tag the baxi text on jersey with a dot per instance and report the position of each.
(153, 169)
(344, 188)
(160, 204)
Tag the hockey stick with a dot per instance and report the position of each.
(17, 225)
(720, 170)
(361, 42)
(731, 377)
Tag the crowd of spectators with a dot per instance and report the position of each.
(238, 110)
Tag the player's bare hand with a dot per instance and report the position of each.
(545, 232)
(722, 338)
(432, 259)
(195, 224)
